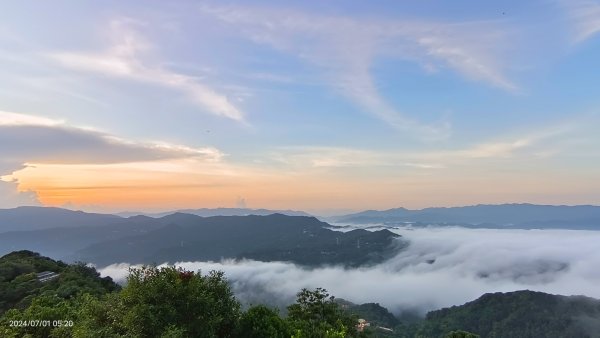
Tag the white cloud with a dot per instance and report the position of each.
(29, 140)
(33, 139)
(10, 197)
(67, 145)
(346, 48)
(124, 59)
(540, 142)
(466, 264)
(585, 17)
(15, 119)
(338, 157)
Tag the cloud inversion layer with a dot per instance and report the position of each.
(441, 267)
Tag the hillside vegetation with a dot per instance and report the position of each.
(519, 314)
(172, 302)
(156, 302)
(19, 284)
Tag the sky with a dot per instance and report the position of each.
(323, 106)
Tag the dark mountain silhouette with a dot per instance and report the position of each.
(206, 212)
(64, 241)
(34, 218)
(298, 239)
(524, 216)
(178, 237)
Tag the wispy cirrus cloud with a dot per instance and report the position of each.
(347, 46)
(529, 144)
(125, 59)
(585, 17)
(511, 145)
(339, 157)
(17, 119)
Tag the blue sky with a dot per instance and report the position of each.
(312, 105)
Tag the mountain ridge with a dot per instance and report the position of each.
(300, 239)
(512, 215)
(178, 236)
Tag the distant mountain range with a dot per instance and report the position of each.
(35, 218)
(516, 216)
(106, 239)
(205, 212)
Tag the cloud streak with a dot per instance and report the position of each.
(125, 60)
(48, 141)
(538, 143)
(346, 48)
(339, 157)
(441, 267)
(585, 17)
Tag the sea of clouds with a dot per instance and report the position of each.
(442, 266)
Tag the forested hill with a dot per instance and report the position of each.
(155, 302)
(519, 314)
(525, 314)
(299, 239)
(25, 275)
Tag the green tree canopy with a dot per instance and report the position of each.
(260, 321)
(172, 300)
(316, 314)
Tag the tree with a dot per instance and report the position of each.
(44, 311)
(316, 314)
(461, 334)
(260, 321)
(167, 300)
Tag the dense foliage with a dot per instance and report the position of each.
(518, 314)
(19, 284)
(163, 302)
(261, 321)
(156, 302)
(172, 302)
(377, 314)
(315, 314)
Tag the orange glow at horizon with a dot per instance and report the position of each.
(184, 184)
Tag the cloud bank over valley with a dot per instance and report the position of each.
(442, 266)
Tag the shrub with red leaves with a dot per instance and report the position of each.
(186, 275)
